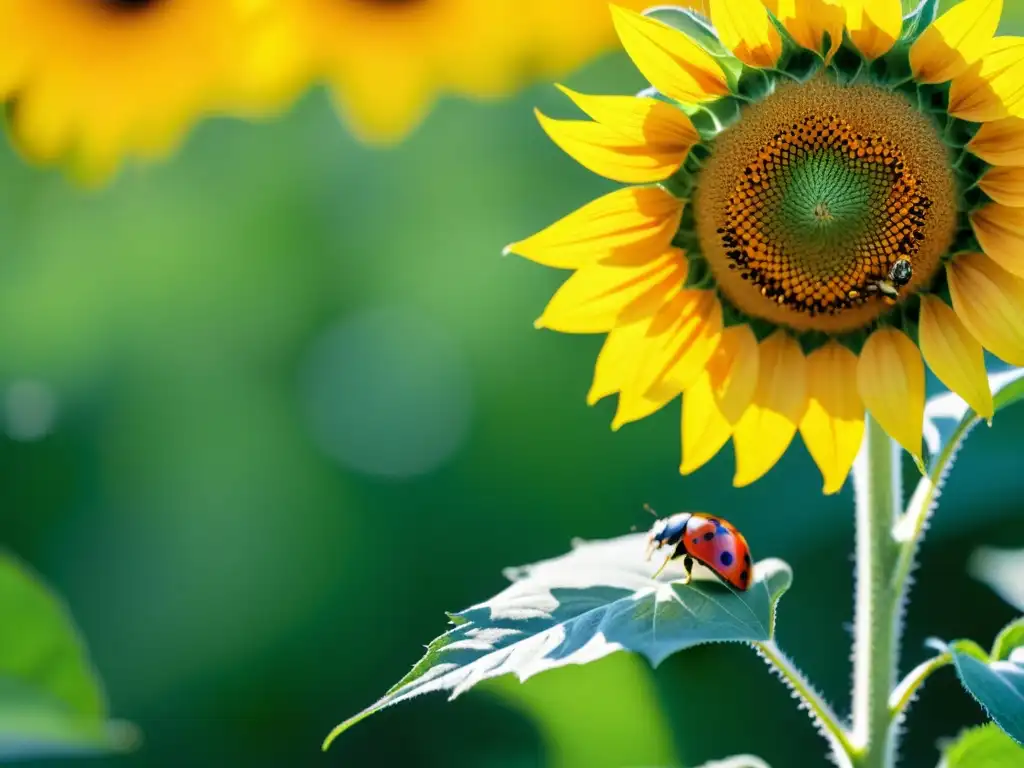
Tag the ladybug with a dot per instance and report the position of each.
(711, 541)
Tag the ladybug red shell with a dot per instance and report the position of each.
(711, 541)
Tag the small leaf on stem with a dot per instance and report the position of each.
(998, 685)
(1009, 640)
(597, 599)
(984, 747)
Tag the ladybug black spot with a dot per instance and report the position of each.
(744, 576)
(696, 541)
(726, 558)
(709, 536)
(746, 559)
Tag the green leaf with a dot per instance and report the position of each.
(598, 599)
(984, 747)
(51, 703)
(1009, 640)
(997, 685)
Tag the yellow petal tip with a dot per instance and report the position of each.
(742, 482)
(831, 490)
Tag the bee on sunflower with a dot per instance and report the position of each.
(824, 195)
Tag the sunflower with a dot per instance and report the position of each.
(824, 196)
(89, 81)
(387, 60)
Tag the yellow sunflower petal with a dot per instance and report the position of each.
(833, 426)
(1005, 185)
(890, 378)
(607, 153)
(960, 37)
(617, 360)
(642, 120)
(38, 128)
(627, 225)
(673, 63)
(769, 424)
(649, 362)
(954, 355)
(745, 29)
(808, 21)
(680, 341)
(715, 403)
(704, 427)
(874, 25)
(635, 405)
(1000, 231)
(1000, 142)
(993, 88)
(990, 302)
(597, 298)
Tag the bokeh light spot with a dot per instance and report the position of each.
(30, 410)
(388, 393)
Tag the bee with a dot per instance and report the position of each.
(900, 274)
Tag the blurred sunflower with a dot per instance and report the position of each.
(89, 81)
(387, 60)
(813, 213)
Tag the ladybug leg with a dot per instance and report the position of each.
(688, 567)
(657, 573)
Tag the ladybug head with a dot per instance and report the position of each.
(667, 532)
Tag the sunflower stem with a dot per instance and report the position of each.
(877, 481)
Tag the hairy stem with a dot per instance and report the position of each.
(911, 527)
(879, 498)
(821, 713)
(912, 683)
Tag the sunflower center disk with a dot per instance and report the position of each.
(822, 214)
(811, 211)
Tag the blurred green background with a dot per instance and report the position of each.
(273, 407)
